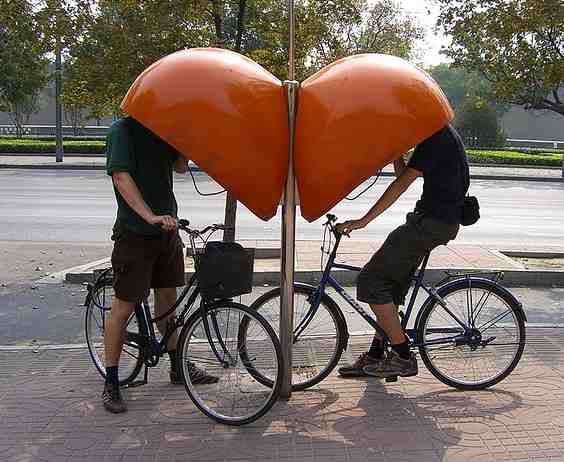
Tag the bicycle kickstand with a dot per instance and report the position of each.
(138, 383)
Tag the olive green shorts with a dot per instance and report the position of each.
(143, 262)
(387, 276)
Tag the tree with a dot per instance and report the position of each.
(459, 83)
(518, 46)
(342, 28)
(23, 69)
(121, 38)
(477, 123)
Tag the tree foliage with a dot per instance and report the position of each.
(477, 122)
(518, 45)
(120, 38)
(459, 83)
(23, 68)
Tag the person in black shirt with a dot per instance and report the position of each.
(383, 282)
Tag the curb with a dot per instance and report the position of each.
(532, 254)
(511, 278)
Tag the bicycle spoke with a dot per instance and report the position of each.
(493, 321)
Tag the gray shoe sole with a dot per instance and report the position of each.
(382, 375)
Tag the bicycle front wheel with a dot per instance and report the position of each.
(319, 336)
(497, 341)
(215, 345)
(97, 311)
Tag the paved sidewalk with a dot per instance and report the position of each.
(50, 411)
(98, 162)
(451, 258)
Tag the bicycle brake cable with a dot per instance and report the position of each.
(366, 189)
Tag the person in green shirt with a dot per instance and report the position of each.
(147, 248)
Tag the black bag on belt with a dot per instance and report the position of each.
(470, 211)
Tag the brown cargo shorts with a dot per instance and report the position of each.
(143, 262)
(387, 276)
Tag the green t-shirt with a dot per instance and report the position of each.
(132, 148)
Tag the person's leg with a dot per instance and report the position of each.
(116, 321)
(132, 260)
(165, 297)
(168, 274)
(387, 315)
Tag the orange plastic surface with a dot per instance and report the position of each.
(356, 116)
(226, 113)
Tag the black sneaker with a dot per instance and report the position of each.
(111, 397)
(357, 369)
(394, 365)
(199, 376)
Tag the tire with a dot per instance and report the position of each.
(131, 360)
(313, 358)
(248, 399)
(489, 301)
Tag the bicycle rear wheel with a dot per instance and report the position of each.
(237, 398)
(131, 360)
(498, 334)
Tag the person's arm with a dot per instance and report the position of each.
(126, 186)
(391, 195)
(399, 166)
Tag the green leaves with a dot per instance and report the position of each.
(23, 68)
(518, 45)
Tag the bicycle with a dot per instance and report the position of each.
(209, 338)
(467, 319)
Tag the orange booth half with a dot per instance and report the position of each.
(226, 113)
(356, 116)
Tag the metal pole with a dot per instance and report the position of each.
(58, 108)
(288, 229)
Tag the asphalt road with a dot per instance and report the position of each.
(78, 206)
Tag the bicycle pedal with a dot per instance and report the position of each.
(136, 384)
(393, 378)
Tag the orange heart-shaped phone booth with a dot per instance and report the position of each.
(226, 113)
(230, 116)
(355, 117)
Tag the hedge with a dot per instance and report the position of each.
(514, 158)
(79, 146)
(33, 146)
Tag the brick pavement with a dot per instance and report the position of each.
(50, 411)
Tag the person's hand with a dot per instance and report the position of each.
(350, 225)
(166, 222)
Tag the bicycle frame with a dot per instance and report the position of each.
(328, 280)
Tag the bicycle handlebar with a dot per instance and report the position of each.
(184, 225)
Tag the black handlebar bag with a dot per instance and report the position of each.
(225, 270)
